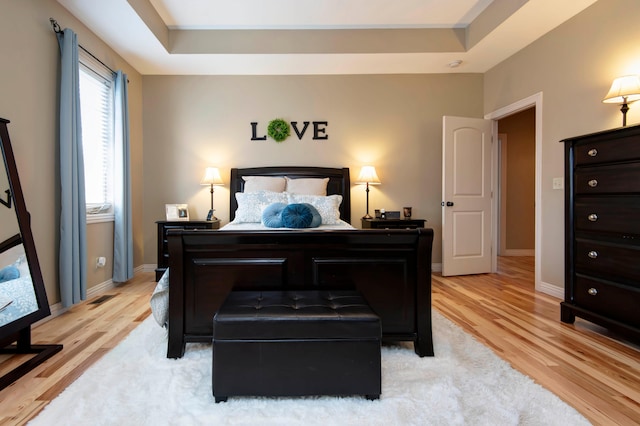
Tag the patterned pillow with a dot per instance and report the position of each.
(328, 206)
(251, 204)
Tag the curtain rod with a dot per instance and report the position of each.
(58, 30)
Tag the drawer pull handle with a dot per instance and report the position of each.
(593, 254)
(592, 152)
(592, 217)
(592, 291)
(593, 183)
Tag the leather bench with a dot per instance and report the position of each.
(296, 343)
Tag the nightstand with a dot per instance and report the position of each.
(392, 223)
(164, 226)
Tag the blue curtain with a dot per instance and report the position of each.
(73, 219)
(123, 235)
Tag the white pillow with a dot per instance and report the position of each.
(251, 204)
(263, 183)
(307, 186)
(327, 206)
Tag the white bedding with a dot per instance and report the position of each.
(160, 297)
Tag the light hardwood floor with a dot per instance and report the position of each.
(597, 375)
(594, 373)
(87, 331)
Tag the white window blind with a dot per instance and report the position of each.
(96, 104)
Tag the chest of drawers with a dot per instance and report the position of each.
(602, 227)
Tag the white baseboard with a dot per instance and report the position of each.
(149, 267)
(96, 290)
(518, 252)
(551, 290)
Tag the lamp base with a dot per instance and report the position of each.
(624, 109)
(210, 216)
(367, 216)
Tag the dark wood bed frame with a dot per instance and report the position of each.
(391, 268)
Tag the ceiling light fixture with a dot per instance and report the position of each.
(455, 64)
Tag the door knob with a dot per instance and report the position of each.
(448, 204)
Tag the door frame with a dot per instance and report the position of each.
(526, 103)
(501, 190)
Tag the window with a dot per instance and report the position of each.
(96, 105)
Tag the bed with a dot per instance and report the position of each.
(390, 268)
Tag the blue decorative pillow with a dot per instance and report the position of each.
(317, 218)
(9, 273)
(272, 215)
(297, 216)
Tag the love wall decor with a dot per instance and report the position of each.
(279, 130)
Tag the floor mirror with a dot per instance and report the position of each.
(23, 299)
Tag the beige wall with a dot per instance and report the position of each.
(573, 66)
(29, 56)
(518, 190)
(393, 122)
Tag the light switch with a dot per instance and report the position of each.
(558, 183)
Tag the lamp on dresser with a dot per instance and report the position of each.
(211, 178)
(624, 90)
(368, 176)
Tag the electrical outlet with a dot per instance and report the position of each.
(100, 262)
(558, 183)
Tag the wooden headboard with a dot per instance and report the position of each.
(339, 183)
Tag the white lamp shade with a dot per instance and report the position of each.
(212, 177)
(624, 90)
(368, 175)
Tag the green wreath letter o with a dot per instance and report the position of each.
(278, 130)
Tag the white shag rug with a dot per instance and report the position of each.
(464, 384)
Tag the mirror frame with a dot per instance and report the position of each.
(19, 330)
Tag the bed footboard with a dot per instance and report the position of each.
(390, 268)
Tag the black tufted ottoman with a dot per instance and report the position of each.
(295, 343)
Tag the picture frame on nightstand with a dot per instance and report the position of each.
(177, 211)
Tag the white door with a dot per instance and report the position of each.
(466, 196)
